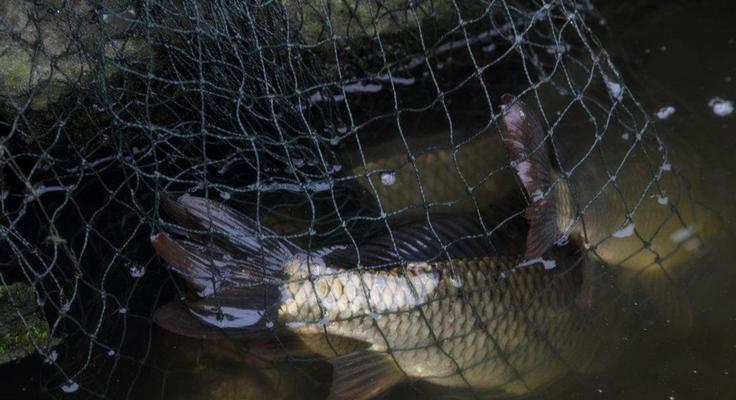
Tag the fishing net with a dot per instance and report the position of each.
(329, 122)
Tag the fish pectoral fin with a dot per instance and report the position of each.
(363, 375)
(525, 141)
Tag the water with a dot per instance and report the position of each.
(679, 55)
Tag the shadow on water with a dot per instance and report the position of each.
(678, 54)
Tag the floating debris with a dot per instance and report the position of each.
(626, 231)
(665, 112)
(137, 271)
(70, 387)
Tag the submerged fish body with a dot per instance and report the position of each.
(476, 323)
(405, 177)
(635, 214)
(629, 206)
(440, 306)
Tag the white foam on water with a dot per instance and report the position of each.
(362, 87)
(665, 112)
(137, 271)
(52, 357)
(614, 88)
(70, 387)
(397, 80)
(721, 107)
(626, 231)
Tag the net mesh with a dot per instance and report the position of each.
(330, 122)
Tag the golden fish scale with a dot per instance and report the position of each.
(479, 325)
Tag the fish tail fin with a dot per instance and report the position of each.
(550, 204)
(668, 296)
(234, 265)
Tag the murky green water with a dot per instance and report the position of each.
(681, 55)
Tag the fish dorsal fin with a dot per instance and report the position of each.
(363, 375)
(441, 239)
(526, 143)
(228, 228)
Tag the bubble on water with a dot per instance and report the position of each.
(298, 162)
(663, 200)
(625, 136)
(70, 387)
(111, 353)
(225, 195)
(666, 167)
(626, 231)
(720, 106)
(665, 112)
(269, 324)
(388, 178)
(122, 310)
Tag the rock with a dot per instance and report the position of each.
(23, 329)
(48, 47)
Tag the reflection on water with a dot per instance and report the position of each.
(676, 58)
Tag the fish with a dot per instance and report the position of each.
(630, 210)
(429, 301)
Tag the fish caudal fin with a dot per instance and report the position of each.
(526, 143)
(234, 266)
(363, 375)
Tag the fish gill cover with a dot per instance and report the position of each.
(303, 133)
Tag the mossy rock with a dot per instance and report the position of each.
(23, 328)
